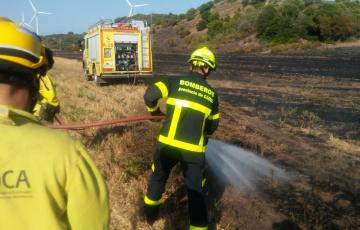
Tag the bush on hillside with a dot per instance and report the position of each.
(293, 19)
(206, 7)
(243, 23)
(206, 19)
(329, 22)
(202, 25)
(190, 14)
(266, 20)
(215, 27)
(182, 31)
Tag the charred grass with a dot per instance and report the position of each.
(309, 126)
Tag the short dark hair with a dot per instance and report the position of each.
(50, 57)
(11, 73)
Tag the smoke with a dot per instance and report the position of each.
(239, 167)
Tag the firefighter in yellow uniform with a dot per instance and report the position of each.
(47, 179)
(192, 114)
(48, 104)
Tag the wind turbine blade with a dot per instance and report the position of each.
(22, 17)
(129, 3)
(37, 25)
(32, 18)
(41, 12)
(141, 5)
(32, 6)
(131, 12)
(27, 25)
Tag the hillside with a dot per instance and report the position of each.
(256, 26)
(246, 26)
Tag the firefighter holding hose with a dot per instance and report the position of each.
(47, 179)
(192, 114)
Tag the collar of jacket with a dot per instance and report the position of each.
(11, 116)
(199, 75)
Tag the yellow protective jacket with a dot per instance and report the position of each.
(47, 179)
(47, 94)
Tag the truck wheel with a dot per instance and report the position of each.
(94, 74)
(86, 75)
(98, 80)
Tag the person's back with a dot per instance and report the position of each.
(47, 179)
(46, 182)
(191, 101)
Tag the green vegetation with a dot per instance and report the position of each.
(157, 19)
(278, 22)
(286, 21)
(294, 19)
(190, 14)
(64, 42)
(282, 22)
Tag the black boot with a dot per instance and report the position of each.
(151, 213)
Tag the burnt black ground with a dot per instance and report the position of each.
(325, 83)
(338, 64)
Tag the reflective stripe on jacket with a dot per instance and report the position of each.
(192, 110)
(47, 179)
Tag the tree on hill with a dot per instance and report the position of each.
(64, 42)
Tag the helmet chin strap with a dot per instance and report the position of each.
(205, 72)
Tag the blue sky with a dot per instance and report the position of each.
(76, 16)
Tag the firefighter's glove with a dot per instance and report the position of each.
(157, 113)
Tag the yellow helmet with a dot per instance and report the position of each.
(202, 57)
(20, 49)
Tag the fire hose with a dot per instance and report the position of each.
(102, 123)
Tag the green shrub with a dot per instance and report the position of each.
(206, 7)
(329, 22)
(243, 23)
(182, 31)
(215, 27)
(201, 25)
(255, 2)
(190, 14)
(206, 15)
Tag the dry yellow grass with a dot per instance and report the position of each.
(122, 153)
(343, 146)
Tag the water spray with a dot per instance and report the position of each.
(239, 167)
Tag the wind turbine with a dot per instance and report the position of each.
(132, 7)
(36, 15)
(23, 23)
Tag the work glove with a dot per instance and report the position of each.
(157, 113)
